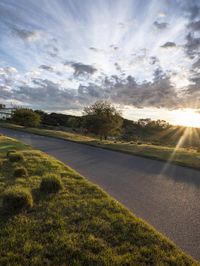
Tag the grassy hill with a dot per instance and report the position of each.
(79, 225)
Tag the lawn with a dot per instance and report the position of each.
(79, 225)
(184, 156)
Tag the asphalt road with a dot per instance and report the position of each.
(166, 196)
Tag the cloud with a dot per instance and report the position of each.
(160, 25)
(193, 11)
(48, 68)
(118, 67)
(45, 94)
(7, 76)
(81, 69)
(169, 45)
(85, 93)
(8, 70)
(94, 49)
(27, 35)
(195, 25)
(153, 60)
(196, 64)
(158, 93)
(5, 92)
(192, 45)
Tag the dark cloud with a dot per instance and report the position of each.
(192, 39)
(195, 25)
(118, 67)
(169, 45)
(93, 49)
(196, 64)
(48, 95)
(160, 25)
(5, 92)
(85, 93)
(45, 67)
(193, 11)
(81, 69)
(192, 49)
(45, 94)
(192, 93)
(153, 60)
(192, 45)
(158, 93)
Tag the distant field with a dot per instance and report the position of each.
(81, 225)
(189, 157)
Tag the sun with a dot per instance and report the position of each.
(187, 117)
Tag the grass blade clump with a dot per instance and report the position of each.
(51, 183)
(15, 157)
(16, 199)
(20, 172)
(1, 163)
(10, 151)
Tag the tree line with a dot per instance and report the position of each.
(101, 119)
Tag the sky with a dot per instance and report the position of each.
(143, 56)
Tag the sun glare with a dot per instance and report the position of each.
(188, 118)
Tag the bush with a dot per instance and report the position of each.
(26, 117)
(15, 157)
(20, 172)
(16, 199)
(51, 184)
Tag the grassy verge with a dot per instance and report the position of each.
(183, 156)
(80, 225)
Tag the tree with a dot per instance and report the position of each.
(26, 117)
(153, 124)
(103, 119)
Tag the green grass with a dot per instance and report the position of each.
(80, 225)
(184, 156)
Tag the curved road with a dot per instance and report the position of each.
(167, 196)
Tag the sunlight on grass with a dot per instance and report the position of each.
(187, 132)
(79, 225)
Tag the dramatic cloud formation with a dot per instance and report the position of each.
(63, 55)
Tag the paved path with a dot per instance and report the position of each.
(166, 197)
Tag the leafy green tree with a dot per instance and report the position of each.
(26, 117)
(101, 118)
